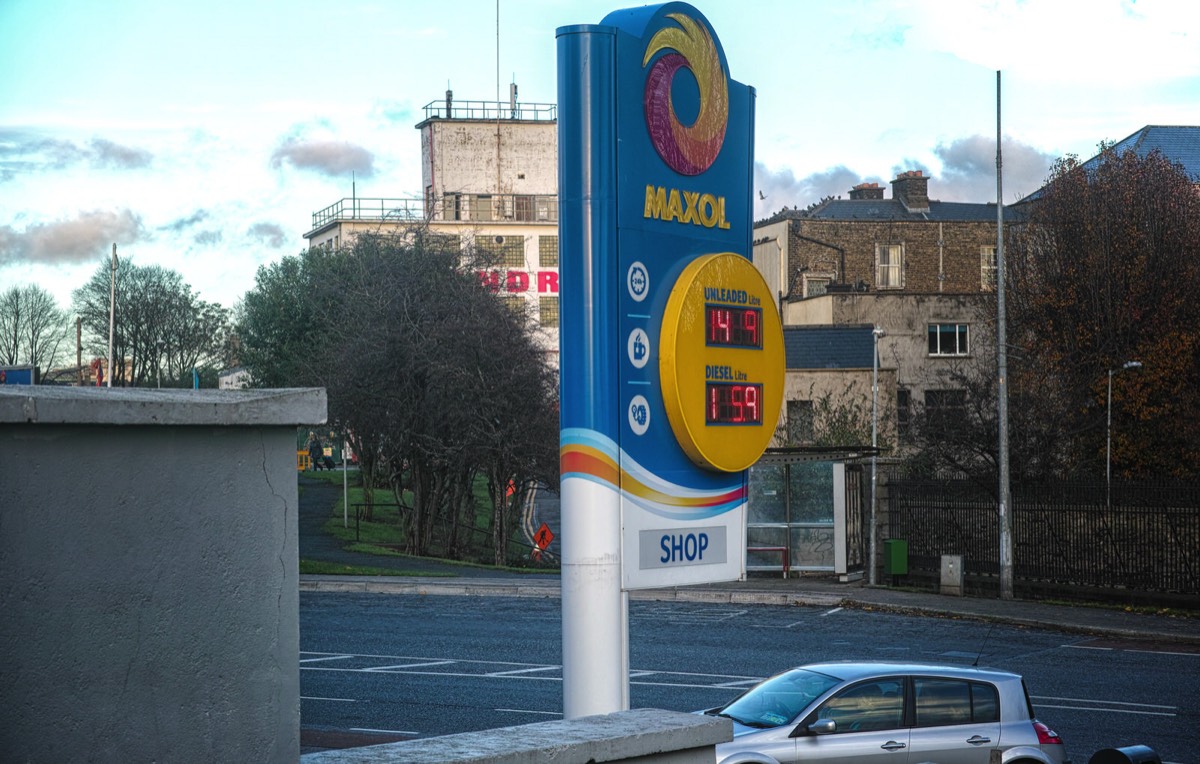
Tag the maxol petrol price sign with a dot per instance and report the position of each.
(721, 362)
(671, 349)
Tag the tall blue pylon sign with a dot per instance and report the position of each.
(671, 347)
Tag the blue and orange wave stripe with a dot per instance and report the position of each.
(587, 455)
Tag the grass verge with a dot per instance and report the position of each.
(319, 568)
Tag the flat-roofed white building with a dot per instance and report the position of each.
(490, 176)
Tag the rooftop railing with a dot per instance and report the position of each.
(477, 208)
(491, 110)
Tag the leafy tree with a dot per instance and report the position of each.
(162, 329)
(278, 321)
(33, 329)
(436, 381)
(1106, 271)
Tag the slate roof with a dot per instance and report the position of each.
(829, 347)
(892, 209)
(1178, 143)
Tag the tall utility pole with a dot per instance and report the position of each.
(876, 333)
(1005, 519)
(112, 312)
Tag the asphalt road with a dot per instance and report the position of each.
(378, 667)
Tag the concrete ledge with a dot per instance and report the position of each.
(642, 735)
(551, 590)
(47, 404)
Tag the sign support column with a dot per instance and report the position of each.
(595, 649)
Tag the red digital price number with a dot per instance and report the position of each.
(733, 327)
(734, 403)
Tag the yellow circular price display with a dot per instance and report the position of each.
(721, 362)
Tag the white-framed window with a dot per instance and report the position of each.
(987, 268)
(949, 339)
(816, 284)
(889, 266)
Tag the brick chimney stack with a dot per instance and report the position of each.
(867, 191)
(912, 190)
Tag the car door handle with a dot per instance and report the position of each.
(892, 745)
(978, 740)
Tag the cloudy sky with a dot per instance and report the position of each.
(202, 136)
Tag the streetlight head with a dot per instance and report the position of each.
(1132, 365)
(878, 332)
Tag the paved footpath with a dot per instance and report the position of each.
(434, 577)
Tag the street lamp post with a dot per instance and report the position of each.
(877, 332)
(112, 312)
(1108, 433)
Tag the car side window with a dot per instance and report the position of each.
(874, 705)
(954, 701)
(985, 703)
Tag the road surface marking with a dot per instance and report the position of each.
(333, 700)
(407, 666)
(384, 732)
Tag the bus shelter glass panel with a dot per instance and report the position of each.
(766, 517)
(810, 516)
(791, 507)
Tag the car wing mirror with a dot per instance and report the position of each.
(819, 727)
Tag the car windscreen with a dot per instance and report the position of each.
(779, 699)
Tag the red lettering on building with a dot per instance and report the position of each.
(547, 282)
(490, 280)
(518, 281)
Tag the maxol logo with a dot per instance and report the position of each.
(688, 150)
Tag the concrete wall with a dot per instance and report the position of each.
(906, 318)
(639, 736)
(149, 574)
(462, 156)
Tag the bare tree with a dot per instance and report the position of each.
(33, 328)
(162, 329)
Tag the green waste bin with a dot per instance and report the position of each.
(895, 557)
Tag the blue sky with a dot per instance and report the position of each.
(202, 136)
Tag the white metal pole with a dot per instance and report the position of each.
(876, 333)
(1108, 448)
(1108, 434)
(345, 488)
(112, 312)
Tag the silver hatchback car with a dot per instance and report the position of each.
(887, 712)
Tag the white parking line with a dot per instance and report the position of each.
(831, 612)
(476, 669)
(514, 672)
(1110, 710)
(326, 658)
(399, 666)
(527, 711)
(332, 700)
(385, 732)
(1165, 652)
(1131, 650)
(1110, 706)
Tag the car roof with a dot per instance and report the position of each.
(852, 670)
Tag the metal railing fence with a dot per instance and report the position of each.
(1063, 533)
